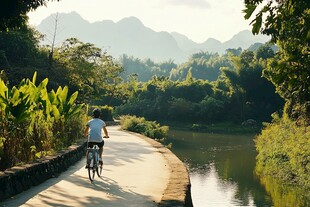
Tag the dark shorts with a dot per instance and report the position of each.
(91, 144)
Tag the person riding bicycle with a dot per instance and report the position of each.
(93, 132)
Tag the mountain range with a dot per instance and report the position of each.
(130, 36)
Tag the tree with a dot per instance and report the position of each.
(20, 46)
(246, 58)
(288, 23)
(90, 70)
(13, 13)
(235, 52)
(252, 94)
(264, 52)
(203, 65)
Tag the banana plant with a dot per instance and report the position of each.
(62, 105)
(23, 103)
(16, 102)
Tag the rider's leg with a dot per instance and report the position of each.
(89, 145)
(101, 151)
(100, 154)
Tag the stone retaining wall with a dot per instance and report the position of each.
(20, 178)
(178, 191)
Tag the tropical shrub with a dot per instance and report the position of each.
(106, 112)
(36, 122)
(148, 128)
(284, 151)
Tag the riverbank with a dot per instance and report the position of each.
(225, 127)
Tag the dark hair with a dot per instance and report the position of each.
(96, 113)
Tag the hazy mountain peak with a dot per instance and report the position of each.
(71, 16)
(243, 33)
(130, 36)
(134, 21)
(213, 41)
(247, 36)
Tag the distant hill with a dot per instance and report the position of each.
(243, 39)
(129, 36)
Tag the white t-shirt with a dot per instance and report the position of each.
(95, 130)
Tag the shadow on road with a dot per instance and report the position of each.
(106, 191)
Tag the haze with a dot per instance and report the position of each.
(197, 19)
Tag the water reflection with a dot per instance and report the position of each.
(222, 172)
(216, 192)
(286, 195)
(221, 169)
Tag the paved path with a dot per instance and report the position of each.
(134, 174)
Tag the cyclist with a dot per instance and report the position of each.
(93, 132)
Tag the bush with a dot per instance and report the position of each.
(148, 128)
(106, 112)
(35, 122)
(284, 151)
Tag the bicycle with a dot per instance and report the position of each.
(93, 162)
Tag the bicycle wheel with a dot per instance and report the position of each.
(99, 170)
(91, 170)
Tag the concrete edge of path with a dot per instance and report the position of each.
(178, 190)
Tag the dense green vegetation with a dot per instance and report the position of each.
(284, 151)
(283, 147)
(288, 24)
(13, 14)
(144, 70)
(106, 112)
(35, 122)
(239, 92)
(150, 129)
(202, 65)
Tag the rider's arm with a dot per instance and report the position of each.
(105, 132)
(86, 131)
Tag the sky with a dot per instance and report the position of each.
(197, 19)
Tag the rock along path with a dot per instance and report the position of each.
(134, 174)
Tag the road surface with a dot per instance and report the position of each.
(134, 174)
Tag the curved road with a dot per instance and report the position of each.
(134, 174)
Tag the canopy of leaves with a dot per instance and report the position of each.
(202, 65)
(90, 70)
(288, 23)
(144, 69)
(13, 13)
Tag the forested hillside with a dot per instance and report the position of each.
(209, 88)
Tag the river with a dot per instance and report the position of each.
(222, 174)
